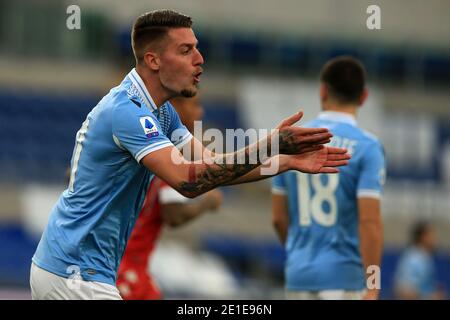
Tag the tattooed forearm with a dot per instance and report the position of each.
(214, 175)
(225, 168)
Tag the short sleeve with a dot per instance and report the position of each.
(279, 185)
(373, 172)
(177, 133)
(137, 131)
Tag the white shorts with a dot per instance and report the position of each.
(325, 295)
(49, 286)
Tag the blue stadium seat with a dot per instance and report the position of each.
(38, 131)
(245, 50)
(391, 65)
(16, 250)
(437, 69)
(293, 55)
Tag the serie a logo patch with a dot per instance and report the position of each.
(149, 126)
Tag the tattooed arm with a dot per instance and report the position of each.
(310, 158)
(194, 178)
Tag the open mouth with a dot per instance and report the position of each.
(197, 76)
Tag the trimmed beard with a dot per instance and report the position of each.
(187, 93)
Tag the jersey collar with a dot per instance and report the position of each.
(338, 116)
(140, 86)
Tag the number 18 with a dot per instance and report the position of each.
(311, 207)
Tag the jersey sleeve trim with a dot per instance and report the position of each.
(186, 138)
(367, 193)
(279, 191)
(151, 148)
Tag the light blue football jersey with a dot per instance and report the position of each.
(323, 236)
(90, 224)
(416, 269)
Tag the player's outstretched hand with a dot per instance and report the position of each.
(324, 160)
(298, 140)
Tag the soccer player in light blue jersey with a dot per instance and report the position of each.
(416, 275)
(331, 224)
(133, 134)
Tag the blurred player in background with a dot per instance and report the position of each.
(163, 205)
(331, 224)
(133, 134)
(415, 277)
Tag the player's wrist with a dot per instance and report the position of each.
(286, 163)
(280, 162)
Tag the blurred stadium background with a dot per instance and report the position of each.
(262, 63)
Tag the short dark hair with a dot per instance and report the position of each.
(152, 27)
(345, 78)
(418, 230)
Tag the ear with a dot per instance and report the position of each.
(363, 97)
(151, 60)
(323, 92)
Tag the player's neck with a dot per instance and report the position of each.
(154, 86)
(349, 109)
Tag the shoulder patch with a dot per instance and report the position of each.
(149, 126)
